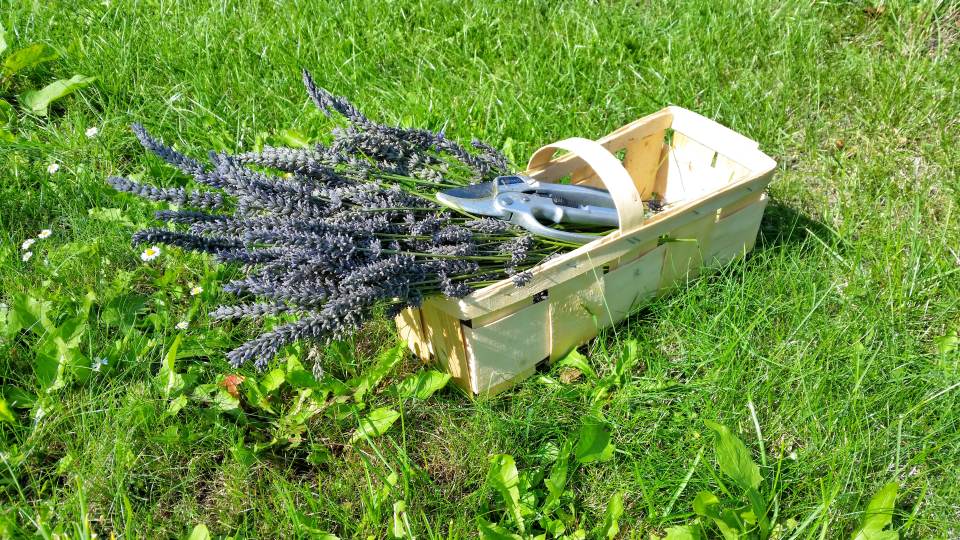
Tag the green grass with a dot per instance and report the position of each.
(829, 328)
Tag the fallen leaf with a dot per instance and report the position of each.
(230, 384)
(569, 375)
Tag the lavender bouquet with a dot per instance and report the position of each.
(331, 234)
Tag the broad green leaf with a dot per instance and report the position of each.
(255, 396)
(878, 515)
(319, 454)
(176, 404)
(273, 380)
(6, 415)
(422, 385)
(593, 444)
(200, 532)
(504, 478)
(629, 356)
(37, 101)
(18, 398)
(27, 57)
(69, 333)
(554, 527)
(398, 527)
(375, 423)
(948, 344)
(335, 386)
(170, 381)
(243, 455)
(493, 531)
(734, 458)
(55, 359)
(301, 378)
(708, 505)
(48, 367)
(110, 215)
(578, 361)
(225, 401)
(685, 532)
(122, 311)
(386, 361)
(293, 137)
(557, 481)
(27, 312)
(8, 117)
(611, 518)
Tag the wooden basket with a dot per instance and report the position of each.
(712, 182)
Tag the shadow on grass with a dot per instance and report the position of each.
(784, 225)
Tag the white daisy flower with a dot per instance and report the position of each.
(26, 256)
(45, 233)
(53, 168)
(182, 325)
(98, 363)
(91, 132)
(196, 290)
(27, 243)
(150, 253)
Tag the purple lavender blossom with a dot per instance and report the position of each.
(333, 234)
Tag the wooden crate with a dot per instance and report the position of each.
(712, 180)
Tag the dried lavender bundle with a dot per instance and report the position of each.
(329, 235)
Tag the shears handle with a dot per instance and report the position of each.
(593, 215)
(530, 223)
(526, 210)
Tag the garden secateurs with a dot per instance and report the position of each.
(524, 201)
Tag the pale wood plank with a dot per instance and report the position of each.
(446, 341)
(503, 351)
(684, 257)
(642, 161)
(735, 235)
(410, 330)
(576, 310)
(632, 285)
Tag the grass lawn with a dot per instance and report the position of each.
(831, 351)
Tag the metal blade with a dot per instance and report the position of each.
(474, 199)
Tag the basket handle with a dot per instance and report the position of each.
(607, 167)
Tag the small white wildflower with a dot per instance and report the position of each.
(182, 325)
(26, 256)
(792, 456)
(196, 290)
(27, 243)
(98, 363)
(53, 168)
(91, 131)
(44, 234)
(150, 253)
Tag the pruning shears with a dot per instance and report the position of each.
(524, 201)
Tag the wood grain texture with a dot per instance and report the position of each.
(507, 349)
